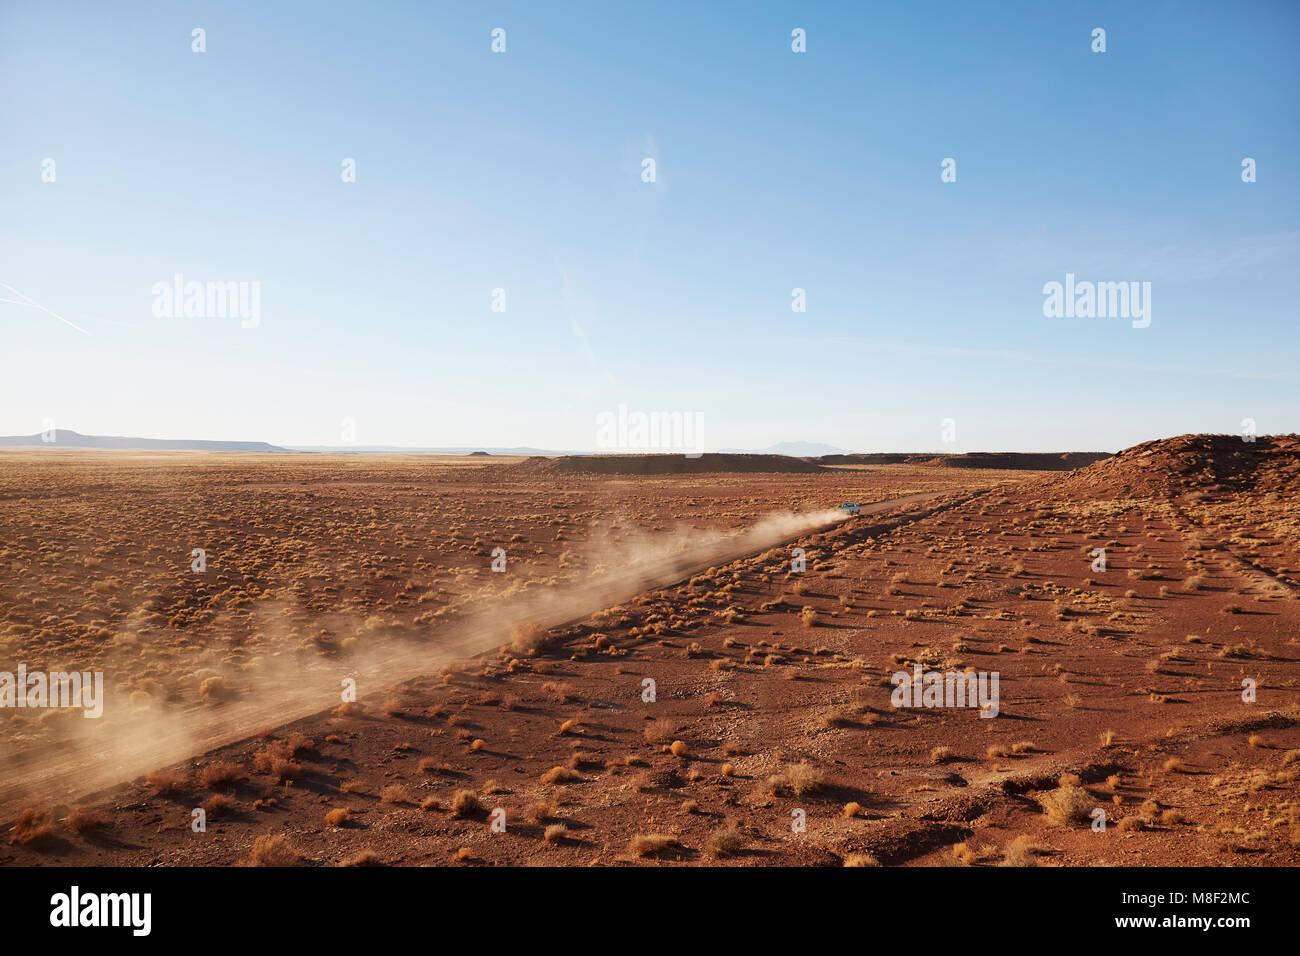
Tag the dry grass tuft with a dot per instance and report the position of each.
(86, 819)
(658, 731)
(272, 850)
(724, 843)
(527, 637)
(396, 793)
(797, 779)
(217, 804)
(560, 775)
(364, 858)
(220, 773)
(650, 844)
(277, 760)
(1022, 851)
(33, 828)
(1067, 806)
(166, 782)
(466, 803)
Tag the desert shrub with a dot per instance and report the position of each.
(796, 779)
(539, 812)
(220, 773)
(658, 731)
(272, 850)
(725, 842)
(1020, 852)
(942, 755)
(338, 817)
(166, 781)
(527, 636)
(650, 844)
(33, 828)
(364, 858)
(560, 775)
(217, 804)
(86, 819)
(466, 803)
(277, 760)
(1068, 805)
(396, 793)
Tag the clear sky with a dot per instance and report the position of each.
(775, 170)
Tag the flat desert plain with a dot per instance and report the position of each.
(412, 660)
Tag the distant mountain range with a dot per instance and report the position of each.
(66, 438)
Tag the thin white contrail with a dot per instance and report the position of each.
(33, 304)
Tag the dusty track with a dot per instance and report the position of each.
(116, 752)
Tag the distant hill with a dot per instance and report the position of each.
(422, 450)
(1008, 460)
(66, 438)
(665, 465)
(792, 449)
(1211, 465)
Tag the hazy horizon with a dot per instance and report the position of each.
(788, 447)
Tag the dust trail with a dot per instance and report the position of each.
(121, 746)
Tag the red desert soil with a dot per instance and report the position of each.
(1120, 689)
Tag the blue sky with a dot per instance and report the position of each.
(775, 170)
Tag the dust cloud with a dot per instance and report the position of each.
(128, 741)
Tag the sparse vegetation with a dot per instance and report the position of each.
(1068, 805)
(797, 779)
(272, 850)
(651, 844)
